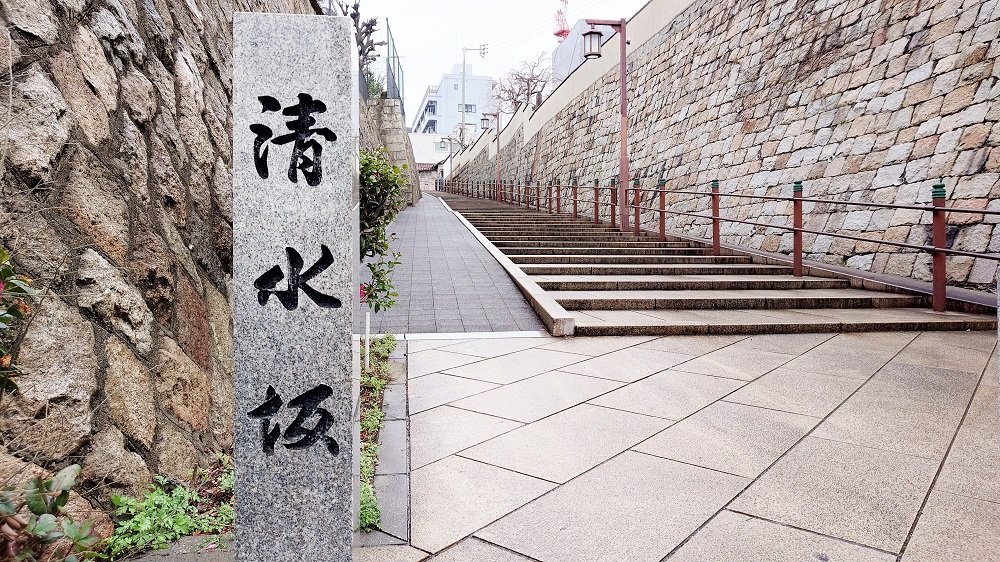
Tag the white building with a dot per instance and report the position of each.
(440, 112)
(569, 54)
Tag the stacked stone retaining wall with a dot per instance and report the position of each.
(863, 101)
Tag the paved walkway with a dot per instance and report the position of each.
(447, 281)
(853, 447)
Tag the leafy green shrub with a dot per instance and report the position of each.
(381, 199)
(382, 347)
(26, 538)
(16, 294)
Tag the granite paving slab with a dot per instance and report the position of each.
(534, 398)
(854, 493)
(733, 438)
(421, 363)
(788, 390)
(856, 356)
(628, 365)
(904, 409)
(516, 366)
(442, 431)
(735, 537)
(743, 363)
(567, 444)
(972, 464)
(671, 394)
(476, 550)
(437, 388)
(634, 507)
(454, 497)
(955, 529)
(595, 346)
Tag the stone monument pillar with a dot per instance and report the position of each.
(295, 173)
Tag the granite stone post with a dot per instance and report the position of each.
(295, 173)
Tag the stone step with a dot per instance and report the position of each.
(743, 321)
(581, 244)
(625, 258)
(547, 231)
(552, 251)
(683, 282)
(718, 299)
(654, 269)
(596, 237)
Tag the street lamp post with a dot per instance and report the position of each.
(485, 124)
(592, 50)
(451, 152)
(482, 53)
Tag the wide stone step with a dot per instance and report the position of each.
(547, 231)
(654, 269)
(718, 299)
(625, 258)
(746, 321)
(683, 282)
(529, 237)
(616, 244)
(681, 249)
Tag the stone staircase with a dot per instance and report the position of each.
(615, 283)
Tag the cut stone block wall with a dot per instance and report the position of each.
(116, 197)
(863, 101)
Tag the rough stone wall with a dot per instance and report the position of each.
(116, 197)
(863, 101)
(394, 136)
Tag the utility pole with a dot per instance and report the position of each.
(482, 53)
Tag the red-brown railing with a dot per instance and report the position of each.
(530, 196)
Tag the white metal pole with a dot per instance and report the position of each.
(461, 135)
(368, 339)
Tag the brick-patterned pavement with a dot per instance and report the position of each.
(447, 281)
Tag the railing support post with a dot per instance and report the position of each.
(548, 195)
(716, 246)
(663, 208)
(636, 199)
(538, 197)
(614, 201)
(797, 225)
(572, 182)
(597, 197)
(558, 197)
(939, 235)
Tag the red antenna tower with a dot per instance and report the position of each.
(562, 28)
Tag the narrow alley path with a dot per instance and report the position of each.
(447, 281)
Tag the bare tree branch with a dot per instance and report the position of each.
(525, 84)
(363, 31)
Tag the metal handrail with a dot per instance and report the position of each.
(516, 193)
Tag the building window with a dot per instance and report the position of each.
(430, 127)
(456, 86)
(469, 108)
(431, 108)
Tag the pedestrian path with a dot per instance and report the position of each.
(868, 447)
(447, 281)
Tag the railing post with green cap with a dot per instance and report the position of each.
(597, 197)
(662, 184)
(797, 225)
(636, 199)
(572, 182)
(939, 235)
(558, 196)
(716, 246)
(614, 202)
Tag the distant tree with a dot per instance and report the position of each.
(364, 29)
(525, 84)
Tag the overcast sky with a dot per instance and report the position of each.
(429, 34)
